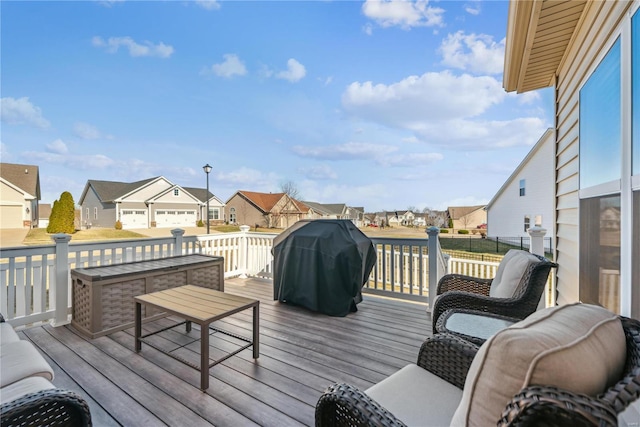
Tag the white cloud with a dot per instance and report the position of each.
(231, 66)
(410, 160)
(5, 155)
(147, 48)
(479, 135)
(470, 52)
(473, 8)
(76, 162)
(246, 176)
(419, 100)
(527, 97)
(295, 71)
(321, 172)
(402, 13)
(208, 4)
(109, 3)
(21, 111)
(57, 147)
(87, 131)
(347, 151)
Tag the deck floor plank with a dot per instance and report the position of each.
(301, 353)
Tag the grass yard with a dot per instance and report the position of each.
(39, 236)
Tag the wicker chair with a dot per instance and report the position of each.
(458, 291)
(37, 402)
(449, 357)
(52, 407)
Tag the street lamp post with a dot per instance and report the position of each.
(207, 169)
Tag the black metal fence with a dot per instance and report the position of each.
(475, 248)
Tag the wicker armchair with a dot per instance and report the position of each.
(459, 291)
(450, 357)
(33, 400)
(52, 407)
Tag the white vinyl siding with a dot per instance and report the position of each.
(600, 27)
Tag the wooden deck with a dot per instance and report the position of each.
(301, 353)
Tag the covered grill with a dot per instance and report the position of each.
(322, 265)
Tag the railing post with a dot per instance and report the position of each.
(60, 291)
(244, 249)
(537, 239)
(177, 234)
(433, 232)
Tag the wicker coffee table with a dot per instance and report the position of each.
(201, 306)
(472, 325)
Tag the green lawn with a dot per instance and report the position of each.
(39, 236)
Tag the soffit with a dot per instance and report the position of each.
(538, 35)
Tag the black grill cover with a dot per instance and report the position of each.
(322, 265)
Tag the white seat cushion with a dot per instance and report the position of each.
(512, 268)
(22, 387)
(7, 334)
(417, 397)
(20, 360)
(577, 347)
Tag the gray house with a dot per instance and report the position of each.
(153, 202)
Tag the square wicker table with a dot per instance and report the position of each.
(472, 325)
(201, 306)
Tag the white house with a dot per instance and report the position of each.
(589, 51)
(19, 195)
(526, 197)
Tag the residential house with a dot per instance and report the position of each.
(216, 206)
(467, 217)
(526, 198)
(436, 218)
(272, 210)
(589, 52)
(19, 195)
(337, 211)
(44, 212)
(319, 210)
(420, 219)
(153, 202)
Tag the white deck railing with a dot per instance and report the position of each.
(29, 276)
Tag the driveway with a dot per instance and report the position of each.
(11, 237)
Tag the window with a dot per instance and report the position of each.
(232, 215)
(214, 213)
(527, 222)
(635, 276)
(522, 187)
(600, 251)
(95, 213)
(86, 217)
(176, 192)
(600, 123)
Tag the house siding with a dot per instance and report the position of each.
(505, 215)
(106, 211)
(148, 192)
(246, 213)
(470, 220)
(591, 41)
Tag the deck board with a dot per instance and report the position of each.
(301, 353)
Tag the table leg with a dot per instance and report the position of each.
(256, 330)
(204, 357)
(188, 326)
(138, 327)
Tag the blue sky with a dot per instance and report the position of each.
(386, 105)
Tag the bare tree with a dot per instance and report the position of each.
(465, 220)
(290, 189)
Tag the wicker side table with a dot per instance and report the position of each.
(472, 325)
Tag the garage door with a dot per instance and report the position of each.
(133, 218)
(175, 218)
(11, 217)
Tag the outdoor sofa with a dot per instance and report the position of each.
(27, 396)
(515, 290)
(576, 365)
